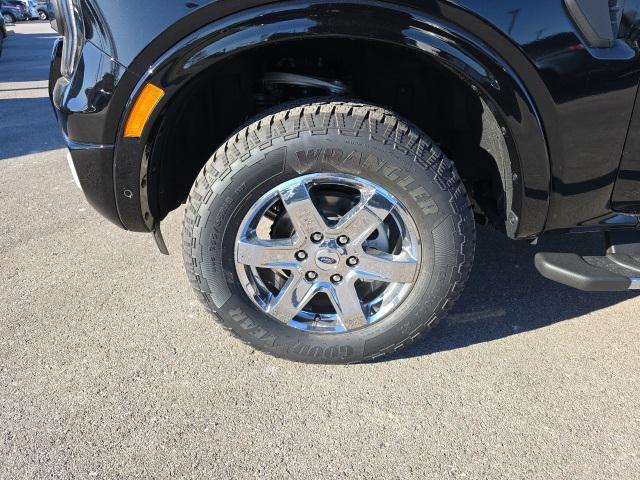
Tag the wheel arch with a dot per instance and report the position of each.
(513, 109)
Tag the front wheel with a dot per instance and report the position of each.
(43, 15)
(329, 233)
(9, 19)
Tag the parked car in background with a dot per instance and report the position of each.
(29, 7)
(21, 5)
(32, 6)
(11, 13)
(3, 34)
(45, 10)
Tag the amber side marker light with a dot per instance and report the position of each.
(142, 109)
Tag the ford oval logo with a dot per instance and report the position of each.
(328, 260)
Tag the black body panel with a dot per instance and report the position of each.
(93, 167)
(565, 105)
(626, 196)
(467, 56)
(592, 92)
(84, 103)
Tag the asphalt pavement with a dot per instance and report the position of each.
(110, 368)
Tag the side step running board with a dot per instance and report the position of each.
(573, 270)
(618, 271)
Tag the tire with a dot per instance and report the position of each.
(9, 19)
(353, 140)
(42, 15)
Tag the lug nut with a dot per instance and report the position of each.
(316, 237)
(343, 240)
(311, 276)
(352, 261)
(301, 255)
(336, 278)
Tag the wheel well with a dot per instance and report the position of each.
(218, 101)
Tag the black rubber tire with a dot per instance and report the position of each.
(351, 138)
(42, 15)
(11, 19)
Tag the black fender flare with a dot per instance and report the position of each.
(451, 46)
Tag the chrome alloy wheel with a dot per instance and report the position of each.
(327, 253)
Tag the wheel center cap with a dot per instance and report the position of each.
(327, 260)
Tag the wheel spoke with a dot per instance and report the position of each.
(387, 268)
(292, 298)
(266, 253)
(303, 213)
(347, 305)
(363, 219)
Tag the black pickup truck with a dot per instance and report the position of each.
(335, 156)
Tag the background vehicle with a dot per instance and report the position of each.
(29, 8)
(45, 10)
(32, 6)
(3, 34)
(11, 13)
(334, 155)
